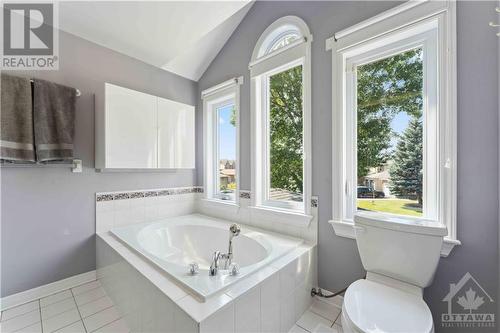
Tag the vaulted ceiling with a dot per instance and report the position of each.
(182, 37)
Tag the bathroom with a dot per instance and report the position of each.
(162, 215)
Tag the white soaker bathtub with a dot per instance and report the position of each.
(173, 243)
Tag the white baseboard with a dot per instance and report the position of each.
(46, 290)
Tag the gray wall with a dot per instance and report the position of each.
(339, 262)
(478, 153)
(48, 214)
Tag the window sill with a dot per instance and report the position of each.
(346, 229)
(221, 202)
(231, 206)
(283, 216)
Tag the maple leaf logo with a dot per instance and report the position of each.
(470, 301)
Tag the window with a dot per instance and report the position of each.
(391, 100)
(283, 40)
(284, 141)
(225, 150)
(284, 32)
(286, 169)
(389, 132)
(394, 117)
(280, 72)
(221, 129)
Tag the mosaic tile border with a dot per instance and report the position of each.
(147, 193)
(104, 197)
(171, 191)
(245, 194)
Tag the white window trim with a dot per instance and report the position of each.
(212, 97)
(296, 53)
(391, 22)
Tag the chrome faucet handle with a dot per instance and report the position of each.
(193, 268)
(234, 269)
(214, 266)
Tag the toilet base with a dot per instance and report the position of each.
(346, 324)
(367, 303)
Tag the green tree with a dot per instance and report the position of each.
(406, 172)
(286, 130)
(385, 88)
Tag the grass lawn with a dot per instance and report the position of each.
(393, 206)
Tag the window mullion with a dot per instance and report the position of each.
(431, 133)
(350, 141)
(216, 162)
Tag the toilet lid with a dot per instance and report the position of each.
(374, 307)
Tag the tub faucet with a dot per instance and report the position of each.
(234, 230)
(214, 266)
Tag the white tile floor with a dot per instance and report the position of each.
(321, 317)
(87, 308)
(82, 309)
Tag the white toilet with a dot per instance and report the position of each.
(400, 257)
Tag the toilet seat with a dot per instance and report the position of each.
(373, 307)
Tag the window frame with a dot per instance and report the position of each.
(402, 25)
(427, 41)
(214, 98)
(265, 81)
(262, 66)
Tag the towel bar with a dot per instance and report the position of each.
(75, 165)
(78, 93)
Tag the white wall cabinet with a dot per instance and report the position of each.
(175, 135)
(142, 131)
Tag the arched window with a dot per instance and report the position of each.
(283, 40)
(281, 112)
(283, 32)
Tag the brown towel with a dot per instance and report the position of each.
(16, 137)
(54, 119)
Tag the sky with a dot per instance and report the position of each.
(398, 125)
(227, 134)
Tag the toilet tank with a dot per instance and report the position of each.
(404, 248)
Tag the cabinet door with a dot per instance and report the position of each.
(175, 135)
(131, 129)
